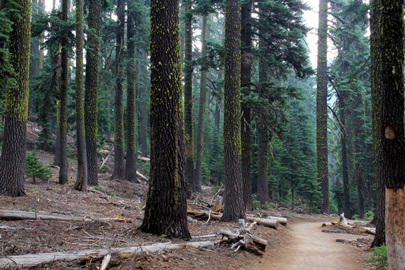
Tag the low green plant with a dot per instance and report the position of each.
(266, 205)
(35, 168)
(380, 257)
(369, 215)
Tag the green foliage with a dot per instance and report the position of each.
(265, 205)
(369, 215)
(380, 257)
(6, 70)
(35, 168)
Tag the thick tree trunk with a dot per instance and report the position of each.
(131, 156)
(119, 165)
(321, 106)
(166, 205)
(12, 160)
(376, 93)
(64, 166)
(391, 30)
(246, 67)
(81, 179)
(90, 109)
(233, 195)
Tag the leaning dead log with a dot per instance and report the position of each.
(24, 215)
(272, 223)
(32, 260)
(141, 176)
(343, 223)
(246, 241)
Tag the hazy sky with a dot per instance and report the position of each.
(311, 20)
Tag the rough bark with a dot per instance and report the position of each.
(202, 108)
(345, 170)
(246, 67)
(391, 127)
(131, 156)
(12, 160)
(263, 137)
(91, 84)
(321, 107)
(263, 166)
(119, 165)
(63, 93)
(166, 205)
(376, 59)
(81, 178)
(233, 194)
(188, 99)
(143, 132)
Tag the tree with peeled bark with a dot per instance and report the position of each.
(233, 194)
(12, 160)
(390, 29)
(166, 204)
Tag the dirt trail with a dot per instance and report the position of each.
(312, 249)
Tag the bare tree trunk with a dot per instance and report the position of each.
(202, 109)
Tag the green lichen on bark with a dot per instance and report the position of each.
(12, 161)
(166, 208)
(233, 195)
(91, 85)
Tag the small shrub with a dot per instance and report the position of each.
(34, 168)
(266, 205)
(356, 216)
(380, 257)
(369, 215)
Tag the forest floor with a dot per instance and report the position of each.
(300, 245)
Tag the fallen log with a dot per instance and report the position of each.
(24, 215)
(32, 260)
(144, 159)
(246, 241)
(204, 214)
(343, 223)
(272, 223)
(282, 220)
(141, 176)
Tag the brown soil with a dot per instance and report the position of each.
(291, 247)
